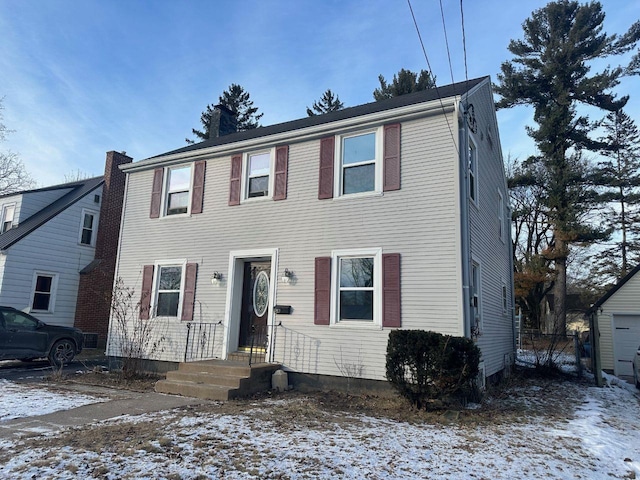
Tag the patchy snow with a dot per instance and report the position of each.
(17, 401)
(601, 440)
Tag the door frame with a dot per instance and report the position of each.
(233, 305)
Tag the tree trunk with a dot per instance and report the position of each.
(560, 288)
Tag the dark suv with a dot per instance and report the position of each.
(24, 337)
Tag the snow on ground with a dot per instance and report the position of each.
(267, 440)
(17, 401)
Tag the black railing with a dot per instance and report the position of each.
(258, 342)
(201, 341)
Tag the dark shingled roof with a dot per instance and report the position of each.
(446, 91)
(79, 189)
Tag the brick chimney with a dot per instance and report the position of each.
(223, 122)
(96, 280)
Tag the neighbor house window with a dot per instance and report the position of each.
(168, 288)
(472, 157)
(88, 227)
(357, 287)
(359, 163)
(177, 188)
(476, 318)
(257, 174)
(44, 288)
(8, 212)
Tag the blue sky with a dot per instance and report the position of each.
(80, 78)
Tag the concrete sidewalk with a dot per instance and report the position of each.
(120, 402)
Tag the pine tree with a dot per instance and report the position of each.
(236, 99)
(619, 176)
(551, 73)
(327, 103)
(405, 81)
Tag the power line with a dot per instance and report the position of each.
(446, 41)
(424, 51)
(464, 48)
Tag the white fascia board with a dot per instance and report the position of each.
(409, 112)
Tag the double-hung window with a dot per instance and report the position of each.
(8, 212)
(472, 158)
(168, 290)
(501, 216)
(88, 227)
(178, 186)
(358, 163)
(358, 287)
(476, 315)
(44, 289)
(258, 174)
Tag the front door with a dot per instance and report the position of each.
(255, 305)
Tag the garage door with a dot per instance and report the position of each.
(626, 339)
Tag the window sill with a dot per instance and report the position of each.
(177, 215)
(256, 199)
(351, 196)
(356, 325)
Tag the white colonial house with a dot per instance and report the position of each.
(47, 236)
(315, 238)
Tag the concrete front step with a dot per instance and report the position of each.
(217, 379)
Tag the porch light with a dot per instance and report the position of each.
(287, 276)
(216, 278)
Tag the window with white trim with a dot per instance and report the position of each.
(472, 159)
(169, 283)
(177, 190)
(8, 212)
(44, 292)
(359, 163)
(88, 227)
(257, 174)
(476, 307)
(357, 293)
(501, 222)
(505, 302)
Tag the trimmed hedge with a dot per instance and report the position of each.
(426, 367)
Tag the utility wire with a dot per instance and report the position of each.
(464, 49)
(446, 41)
(424, 51)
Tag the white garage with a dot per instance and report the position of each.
(626, 339)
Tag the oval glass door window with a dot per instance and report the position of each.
(261, 294)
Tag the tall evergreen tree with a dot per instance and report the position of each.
(551, 73)
(405, 81)
(236, 99)
(327, 103)
(619, 176)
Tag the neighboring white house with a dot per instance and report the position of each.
(48, 235)
(617, 316)
(327, 232)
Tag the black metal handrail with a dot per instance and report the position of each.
(201, 341)
(258, 341)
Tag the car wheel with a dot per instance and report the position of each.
(62, 353)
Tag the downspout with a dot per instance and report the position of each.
(463, 135)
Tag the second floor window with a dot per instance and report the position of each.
(8, 211)
(88, 227)
(178, 184)
(258, 171)
(473, 172)
(358, 163)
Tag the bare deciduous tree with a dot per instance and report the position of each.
(13, 175)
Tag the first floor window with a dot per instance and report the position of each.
(475, 297)
(88, 227)
(43, 292)
(178, 186)
(358, 163)
(8, 211)
(168, 297)
(356, 288)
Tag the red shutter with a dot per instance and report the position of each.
(391, 290)
(325, 179)
(391, 163)
(282, 164)
(197, 197)
(156, 193)
(322, 313)
(235, 182)
(145, 297)
(189, 296)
